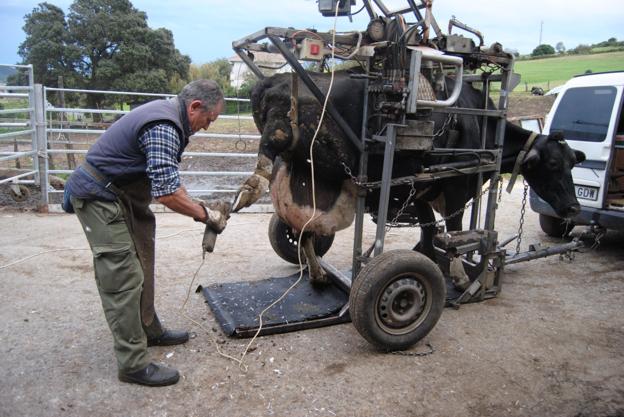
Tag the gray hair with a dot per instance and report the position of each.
(207, 91)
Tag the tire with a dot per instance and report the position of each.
(284, 241)
(387, 286)
(554, 226)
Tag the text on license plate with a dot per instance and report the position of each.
(586, 193)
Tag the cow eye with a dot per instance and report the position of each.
(553, 165)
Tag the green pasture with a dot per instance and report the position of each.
(551, 72)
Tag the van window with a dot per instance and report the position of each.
(584, 113)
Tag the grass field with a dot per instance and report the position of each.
(551, 72)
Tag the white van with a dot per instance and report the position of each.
(588, 110)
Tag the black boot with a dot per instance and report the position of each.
(169, 338)
(152, 375)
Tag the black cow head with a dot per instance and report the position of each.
(547, 167)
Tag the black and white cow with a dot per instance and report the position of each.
(284, 160)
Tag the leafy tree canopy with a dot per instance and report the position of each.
(102, 45)
(543, 49)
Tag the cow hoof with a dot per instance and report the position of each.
(320, 281)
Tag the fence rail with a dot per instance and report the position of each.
(60, 137)
(15, 128)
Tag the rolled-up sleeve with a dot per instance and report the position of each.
(161, 145)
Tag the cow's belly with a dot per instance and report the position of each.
(335, 211)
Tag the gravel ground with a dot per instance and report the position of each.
(549, 345)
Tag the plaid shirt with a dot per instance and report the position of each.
(161, 145)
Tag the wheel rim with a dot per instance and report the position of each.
(290, 237)
(403, 304)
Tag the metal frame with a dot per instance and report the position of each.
(21, 92)
(485, 246)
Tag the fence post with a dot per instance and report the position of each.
(42, 146)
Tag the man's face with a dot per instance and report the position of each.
(200, 118)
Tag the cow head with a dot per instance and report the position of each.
(270, 101)
(547, 167)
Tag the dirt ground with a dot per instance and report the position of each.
(549, 345)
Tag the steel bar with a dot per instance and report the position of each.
(343, 281)
(26, 174)
(472, 112)
(490, 213)
(544, 252)
(16, 87)
(20, 110)
(475, 213)
(360, 205)
(14, 124)
(20, 95)
(125, 93)
(41, 145)
(384, 195)
(17, 133)
(16, 155)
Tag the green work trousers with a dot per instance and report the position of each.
(119, 278)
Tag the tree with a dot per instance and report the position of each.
(560, 47)
(47, 44)
(218, 70)
(543, 49)
(101, 45)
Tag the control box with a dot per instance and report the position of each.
(312, 50)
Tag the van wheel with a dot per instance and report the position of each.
(554, 226)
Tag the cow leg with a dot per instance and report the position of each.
(425, 215)
(317, 273)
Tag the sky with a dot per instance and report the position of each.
(205, 29)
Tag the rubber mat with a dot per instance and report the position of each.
(237, 305)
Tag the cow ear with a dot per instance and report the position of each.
(531, 159)
(580, 156)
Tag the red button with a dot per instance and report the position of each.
(315, 49)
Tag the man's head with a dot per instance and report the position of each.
(203, 100)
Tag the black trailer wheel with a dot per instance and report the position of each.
(555, 227)
(397, 299)
(284, 241)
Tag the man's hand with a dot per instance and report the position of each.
(217, 214)
(251, 190)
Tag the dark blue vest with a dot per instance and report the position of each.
(117, 155)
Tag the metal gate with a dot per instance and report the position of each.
(62, 128)
(18, 131)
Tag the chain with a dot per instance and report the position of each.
(500, 189)
(598, 234)
(411, 194)
(522, 211)
(450, 216)
(414, 354)
(347, 171)
(444, 126)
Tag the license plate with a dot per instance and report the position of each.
(586, 193)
